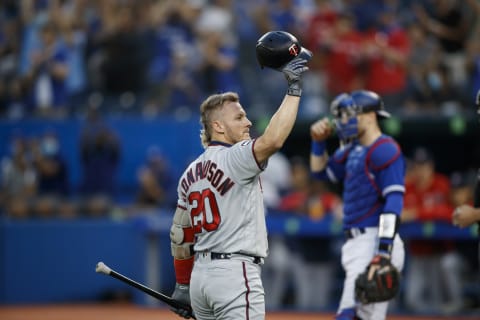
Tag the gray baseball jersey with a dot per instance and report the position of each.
(222, 191)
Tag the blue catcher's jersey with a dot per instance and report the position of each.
(369, 174)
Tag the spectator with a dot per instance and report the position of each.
(100, 155)
(175, 58)
(425, 53)
(19, 179)
(272, 15)
(248, 33)
(52, 176)
(9, 53)
(387, 50)
(123, 48)
(75, 38)
(319, 25)
(448, 21)
(17, 104)
(340, 50)
(366, 13)
(218, 46)
(435, 91)
(47, 73)
(434, 265)
(52, 171)
(156, 185)
(277, 15)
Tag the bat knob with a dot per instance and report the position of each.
(102, 268)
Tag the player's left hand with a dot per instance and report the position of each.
(379, 282)
(182, 295)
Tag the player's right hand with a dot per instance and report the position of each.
(321, 129)
(182, 294)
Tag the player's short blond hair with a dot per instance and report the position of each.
(213, 103)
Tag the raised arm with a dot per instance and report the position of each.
(319, 132)
(281, 123)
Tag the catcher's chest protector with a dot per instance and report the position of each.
(359, 192)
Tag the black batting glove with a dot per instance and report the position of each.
(293, 72)
(182, 295)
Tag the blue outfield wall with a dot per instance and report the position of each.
(54, 261)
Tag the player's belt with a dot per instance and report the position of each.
(227, 256)
(354, 232)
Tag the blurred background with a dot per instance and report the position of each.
(99, 116)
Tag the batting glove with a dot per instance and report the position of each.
(182, 294)
(294, 70)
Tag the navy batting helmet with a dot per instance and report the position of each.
(367, 101)
(276, 48)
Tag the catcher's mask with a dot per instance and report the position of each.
(345, 111)
(277, 48)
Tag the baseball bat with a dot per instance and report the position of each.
(103, 268)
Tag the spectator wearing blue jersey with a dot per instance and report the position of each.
(218, 48)
(47, 73)
(75, 41)
(175, 57)
(371, 167)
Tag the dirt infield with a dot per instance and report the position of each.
(133, 312)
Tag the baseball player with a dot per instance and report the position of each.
(466, 215)
(220, 209)
(371, 166)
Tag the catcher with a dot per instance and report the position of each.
(372, 168)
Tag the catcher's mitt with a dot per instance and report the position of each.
(383, 284)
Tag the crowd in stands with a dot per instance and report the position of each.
(36, 177)
(57, 57)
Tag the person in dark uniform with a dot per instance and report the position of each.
(466, 215)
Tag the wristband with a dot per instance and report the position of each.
(294, 89)
(385, 246)
(387, 228)
(318, 147)
(183, 270)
